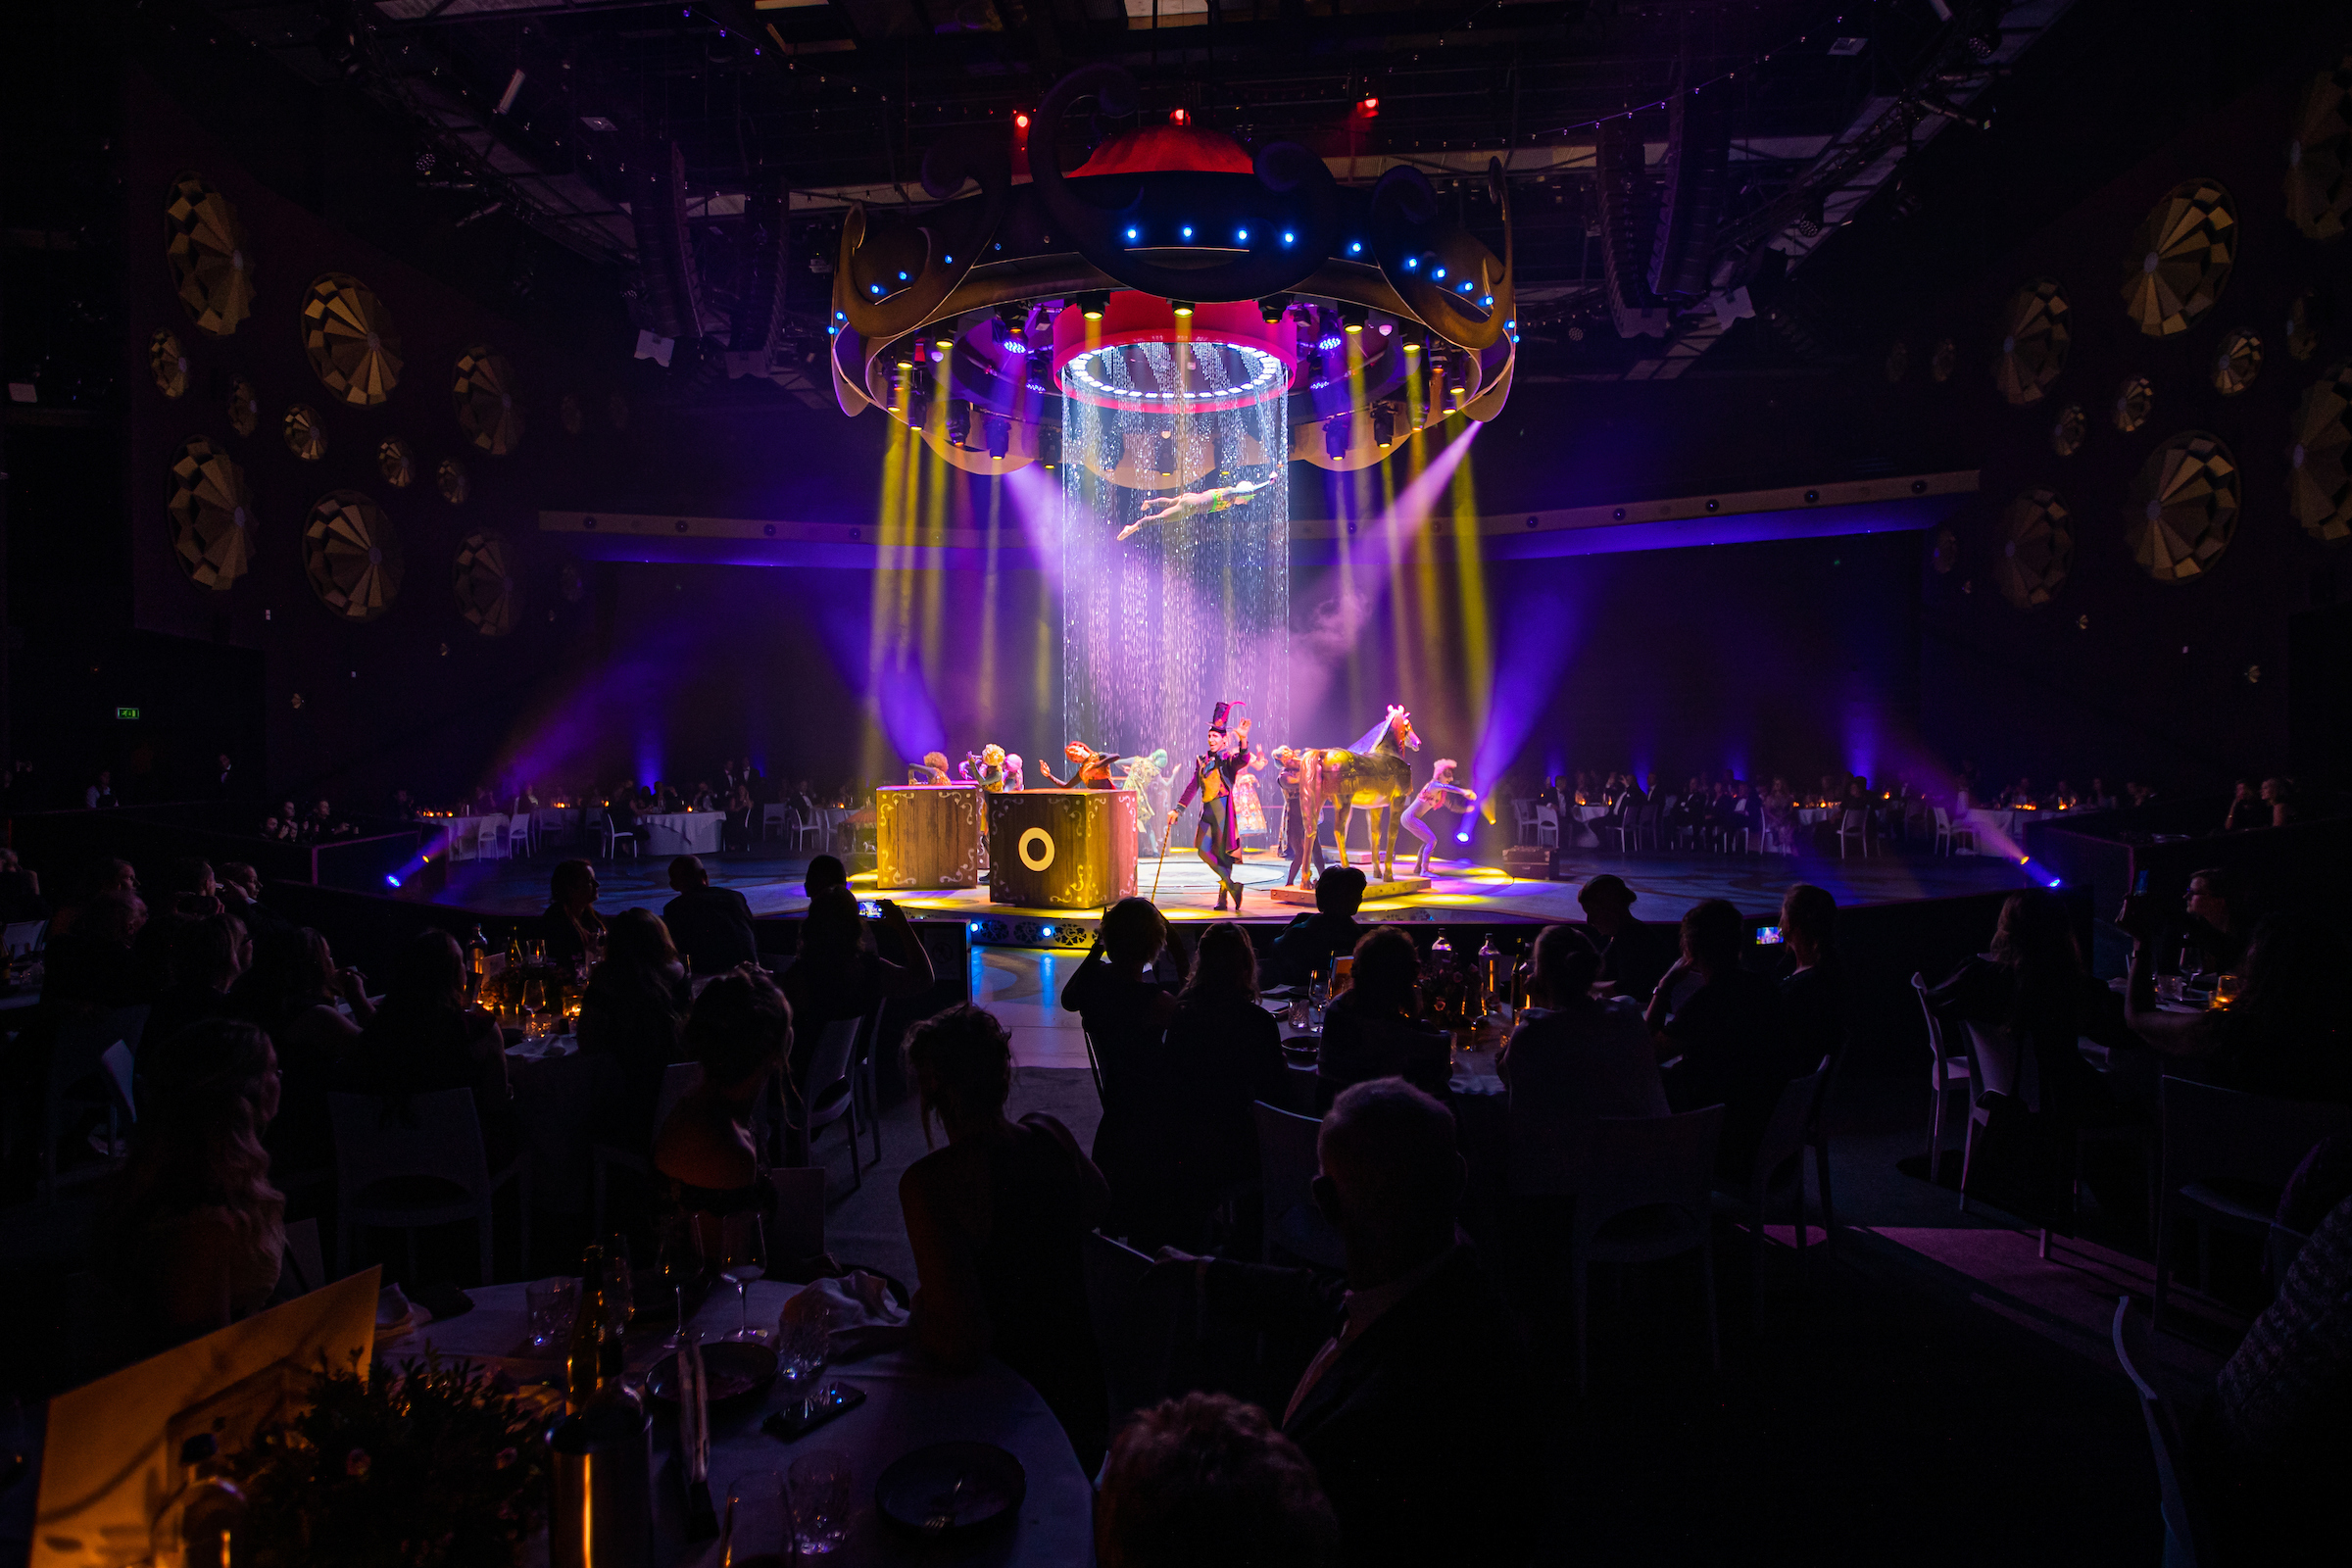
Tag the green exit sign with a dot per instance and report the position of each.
(126, 713)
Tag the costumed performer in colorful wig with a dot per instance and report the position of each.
(1301, 840)
(1434, 797)
(1214, 770)
(1193, 503)
(1090, 769)
(1145, 779)
(986, 767)
(932, 769)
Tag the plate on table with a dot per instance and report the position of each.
(740, 1374)
(952, 1486)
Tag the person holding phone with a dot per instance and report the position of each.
(841, 972)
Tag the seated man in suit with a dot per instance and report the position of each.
(1416, 1414)
(1312, 941)
(711, 926)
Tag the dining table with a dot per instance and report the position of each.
(680, 832)
(554, 1114)
(909, 1405)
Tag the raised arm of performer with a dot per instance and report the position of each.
(1192, 502)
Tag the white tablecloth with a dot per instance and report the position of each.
(680, 832)
(909, 1405)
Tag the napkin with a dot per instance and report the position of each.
(859, 1312)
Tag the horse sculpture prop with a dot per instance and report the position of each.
(1380, 780)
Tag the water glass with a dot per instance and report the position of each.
(2227, 989)
(621, 1293)
(547, 1307)
(804, 1349)
(816, 1499)
(678, 1259)
(751, 1530)
(743, 1258)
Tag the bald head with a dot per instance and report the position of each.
(1392, 1175)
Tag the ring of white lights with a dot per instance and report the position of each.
(1081, 378)
(1037, 862)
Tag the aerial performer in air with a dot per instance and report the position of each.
(1434, 797)
(1216, 837)
(1193, 503)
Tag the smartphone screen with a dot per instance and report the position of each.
(1768, 936)
(2139, 883)
(871, 908)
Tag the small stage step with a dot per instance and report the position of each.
(1402, 888)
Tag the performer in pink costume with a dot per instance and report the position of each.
(1434, 797)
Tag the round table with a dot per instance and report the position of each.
(908, 1404)
(680, 832)
(553, 1116)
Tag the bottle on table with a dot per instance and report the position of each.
(1493, 991)
(600, 1512)
(478, 959)
(203, 1525)
(1318, 997)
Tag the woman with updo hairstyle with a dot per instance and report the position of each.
(193, 1227)
(631, 1016)
(739, 1031)
(996, 1220)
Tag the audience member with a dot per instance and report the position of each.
(101, 879)
(89, 964)
(1813, 991)
(1633, 952)
(1312, 941)
(1222, 1053)
(208, 955)
(1571, 1060)
(1415, 1414)
(996, 1220)
(571, 927)
(19, 891)
(713, 927)
(193, 1232)
(2247, 809)
(1207, 1482)
(2278, 802)
(239, 889)
(100, 796)
(740, 1030)
(825, 872)
(2286, 1032)
(291, 992)
(632, 1016)
(2216, 922)
(1370, 1032)
(1728, 1033)
(1126, 1010)
(838, 973)
(424, 1038)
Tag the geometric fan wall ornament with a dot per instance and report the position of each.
(351, 555)
(2034, 341)
(2184, 506)
(2237, 363)
(2318, 156)
(349, 336)
(569, 411)
(396, 463)
(2180, 258)
(2133, 402)
(1898, 363)
(2319, 476)
(2038, 547)
(2302, 338)
(2067, 434)
(210, 507)
(244, 407)
(204, 247)
(305, 437)
(169, 365)
(1943, 360)
(484, 395)
(484, 581)
(1944, 553)
(451, 476)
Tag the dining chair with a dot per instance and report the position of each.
(1648, 1195)
(678, 1080)
(803, 829)
(1653, 817)
(23, 936)
(1816, 1138)
(1135, 1325)
(827, 1094)
(304, 1260)
(1523, 819)
(2226, 1157)
(89, 1070)
(1853, 824)
(2179, 1500)
(614, 837)
(862, 1080)
(1998, 1064)
(406, 1164)
(495, 842)
(1547, 827)
(1777, 1171)
(1948, 1072)
(1292, 1227)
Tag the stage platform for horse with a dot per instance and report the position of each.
(1374, 892)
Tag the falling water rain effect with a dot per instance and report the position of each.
(1160, 627)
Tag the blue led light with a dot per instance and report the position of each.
(1355, 246)
(1487, 301)
(1412, 261)
(947, 260)
(390, 880)
(1241, 236)
(1186, 232)
(841, 315)
(903, 277)
(1133, 235)
(1288, 237)
(832, 331)
(1435, 272)
(877, 288)
(1465, 285)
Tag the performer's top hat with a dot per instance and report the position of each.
(1216, 721)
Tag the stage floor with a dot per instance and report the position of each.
(1664, 885)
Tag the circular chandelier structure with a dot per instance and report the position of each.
(1175, 272)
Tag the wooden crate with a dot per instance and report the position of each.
(927, 836)
(1061, 848)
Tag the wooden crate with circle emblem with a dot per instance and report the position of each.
(1061, 848)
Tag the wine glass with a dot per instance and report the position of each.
(804, 1348)
(743, 1258)
(678, 1259)
(620, 1287)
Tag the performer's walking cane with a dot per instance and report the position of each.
(1164, 863)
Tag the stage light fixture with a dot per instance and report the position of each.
(999, 436)
(1367, 106)
(1049, 447)
(1180, 116)
(1134, 233)
(1384, 424)
(1020, 120)
(1092, 305)
(1181, 307)
(959, 422)
(1163, 454)
(1270, 308)
(1353, 318)
(1812, 221)
(1336, 437)
(943, 344)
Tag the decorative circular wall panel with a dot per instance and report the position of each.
(205, 246)
(2237, 363)
(2180, 257)
(484, 394)
(210, 507)
(2319, 156)
(1898, 363)
(2135, 401)
(2318, 486)
(349, 336)
(484, 581)
(2035, 335)
(2038, 547)
(451, 477)
(305, 437)
(2302, 338)
(167, 362)
(1943, 360)
(351, 556)
(568, 411)
(2070, 431)
(2184, 506)
(396, 463)
(244, 406)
